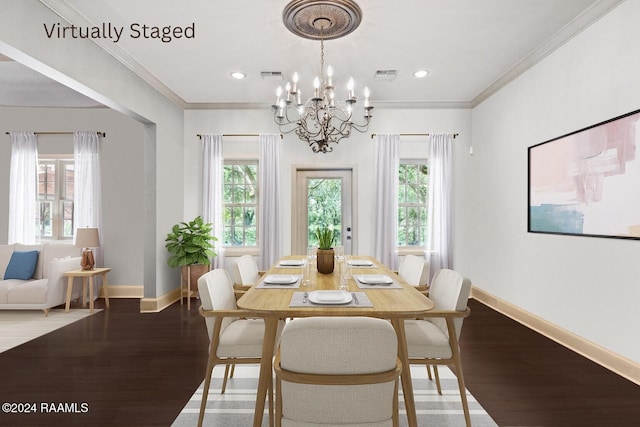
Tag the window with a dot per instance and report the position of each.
(240, 203)
(413, 199)
(55, 199)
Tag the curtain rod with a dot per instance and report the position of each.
(411, 134)
(102, 134)
(239, 134)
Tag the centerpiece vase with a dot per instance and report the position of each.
(325, 261)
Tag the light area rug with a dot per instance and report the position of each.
(236, 406)
(20, 326)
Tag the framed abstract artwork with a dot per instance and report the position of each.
(587, 183)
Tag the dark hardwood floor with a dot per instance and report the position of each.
(133, 369)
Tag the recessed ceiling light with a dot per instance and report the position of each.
(420, 74)
(238, 75)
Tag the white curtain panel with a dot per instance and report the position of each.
(387, 164)
(269, 200)
(212, 186)
(23, 200)
(87, 198)
(87, 181)
(440, 176)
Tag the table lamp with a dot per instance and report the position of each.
(87, 238)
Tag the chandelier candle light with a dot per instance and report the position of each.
(320, 120)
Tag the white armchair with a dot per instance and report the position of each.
(337, 371)
(434, 339)
(415, 271)
(233, 337)
(245, 271)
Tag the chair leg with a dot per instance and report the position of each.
(271, 403)
(224, 379)
(463, 393)
(205, 391)
(233, 370)
(429, 372)
(435, 371)
(395, 419)
(278, 402)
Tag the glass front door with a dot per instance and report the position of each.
(323, 198)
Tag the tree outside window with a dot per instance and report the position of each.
(413, 198)
(324, 208)
(240, 203)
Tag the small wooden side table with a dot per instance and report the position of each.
(87, 274)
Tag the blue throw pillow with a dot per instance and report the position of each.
(22, 265)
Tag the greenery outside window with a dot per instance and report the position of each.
(413, 200)
(55, 198)
(240, 203)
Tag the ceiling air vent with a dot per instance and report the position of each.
(271, 75)
(386, 74)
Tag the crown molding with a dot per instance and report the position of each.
(568, 32)
(378, 104)
(67, 12)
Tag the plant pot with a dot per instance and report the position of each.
(196, 270)
(325, 261)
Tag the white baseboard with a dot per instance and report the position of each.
(154, 305)
(616, 363)
(124, 291)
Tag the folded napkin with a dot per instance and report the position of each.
(262, 284)
(297, 300)
(362, 285)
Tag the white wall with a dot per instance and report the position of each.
(122, 236)
(588, 286)
(85, 67)
(358, 150)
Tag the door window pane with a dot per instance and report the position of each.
(324, 207)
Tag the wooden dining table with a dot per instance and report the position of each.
(394, 303)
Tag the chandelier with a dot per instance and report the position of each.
(320, 120)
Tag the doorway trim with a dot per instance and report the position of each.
(354, 199)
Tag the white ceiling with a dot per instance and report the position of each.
(20, 86)
(470, 47)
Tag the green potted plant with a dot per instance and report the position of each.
(190, 245)
(325, 260)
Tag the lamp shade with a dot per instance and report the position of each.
(87, 238)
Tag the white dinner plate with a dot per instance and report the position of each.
(360, 262)
(292, 262)
(330, 297)
(375, 279)
(281, 279)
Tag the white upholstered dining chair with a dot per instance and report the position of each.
(233, 337)
(433, 340)
(244, 271)
(337, 371)
(415, 271)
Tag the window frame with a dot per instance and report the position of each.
(239, 250)
(419, 248)
(60, 162)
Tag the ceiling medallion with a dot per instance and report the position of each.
(321, 120)
(317, 19)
